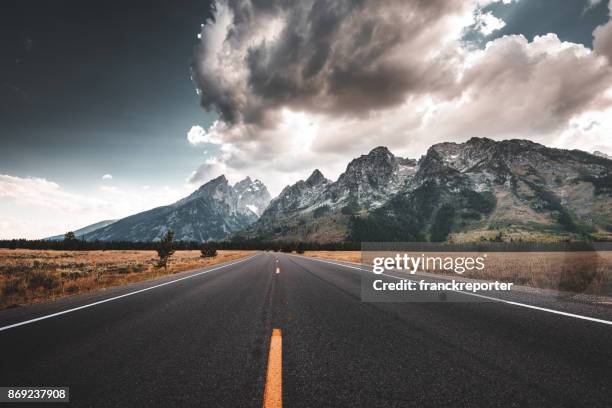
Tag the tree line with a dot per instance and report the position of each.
(72, 243)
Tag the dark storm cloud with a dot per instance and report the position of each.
(297, 82)
(345, 57)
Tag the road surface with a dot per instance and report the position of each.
(203, 338)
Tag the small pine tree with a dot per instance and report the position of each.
(165, 249)
(69, 237)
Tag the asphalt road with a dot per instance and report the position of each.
(204, 341)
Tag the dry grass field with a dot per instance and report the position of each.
(29, 276)
(580, 271)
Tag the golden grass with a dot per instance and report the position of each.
(576, 271)
(30, 276)
(346, 256)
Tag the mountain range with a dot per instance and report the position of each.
(472, 191)
(461, 192)
(213, 212)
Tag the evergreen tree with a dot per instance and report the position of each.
(165, 249)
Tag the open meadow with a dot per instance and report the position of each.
(29, 276)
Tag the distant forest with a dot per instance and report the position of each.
(82, 245)
(75, 244)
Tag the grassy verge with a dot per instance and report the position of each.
(579, 272)
(30, 276)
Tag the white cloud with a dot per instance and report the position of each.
(487, 23)
(589, 132)
(602, 40)
(107, 177)
(212, 168)
(196, 135)
(34, 207)
(12, 227)
(44, 193)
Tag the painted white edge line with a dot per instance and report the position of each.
(74, 309)
(509, 302)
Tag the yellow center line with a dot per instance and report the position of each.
(273, 394)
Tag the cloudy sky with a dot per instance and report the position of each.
(106, 111)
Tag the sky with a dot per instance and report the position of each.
(106, 111)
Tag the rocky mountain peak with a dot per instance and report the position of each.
(370, 178)
(374, 167)
(244, 183)
(217, 187)
(381, 151)
(212, 212)
(219, 180)
(252, 195)
(379, 156)
(501, 161)
(215, 184)
(455, 188)
(316, 178)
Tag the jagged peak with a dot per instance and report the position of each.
(260, 184)
(485, 143)
(245, 181)
(480, 140)
(217, 180)
(316, 178)
(378, 154)
(248, 182)
(380, 151)
(212, 183)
